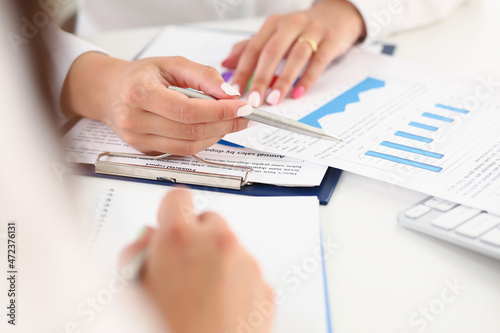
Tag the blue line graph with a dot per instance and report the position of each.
(340, 103)
(423, 126)
(411, 149)
(404, 161)
(437, 117)
(413, 137)
(446, 107)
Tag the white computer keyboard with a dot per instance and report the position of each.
(464, 226)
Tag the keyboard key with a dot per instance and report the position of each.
(417, 211)
(492, 237)
(478, 225)
(455, 217)
(445, 206)
(433, 202)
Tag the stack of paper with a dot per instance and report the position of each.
(88, 138)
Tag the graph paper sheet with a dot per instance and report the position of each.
(400, 123)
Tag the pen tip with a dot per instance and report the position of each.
(333, 138)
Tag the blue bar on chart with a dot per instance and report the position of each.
(404, 161)
(413, 137)
(451, 108)
(423, 126)
(437, 117)
(411, 149)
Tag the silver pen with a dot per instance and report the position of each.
(268, 118)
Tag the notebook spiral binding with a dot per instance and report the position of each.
(99, 213)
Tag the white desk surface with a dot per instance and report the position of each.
(382, 273)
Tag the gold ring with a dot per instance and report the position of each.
(312, 44)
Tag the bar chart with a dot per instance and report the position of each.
(416, 153)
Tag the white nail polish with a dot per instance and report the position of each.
(254, 99)
(236, 87)
(229, 90)
(245, 110)
(274, 97)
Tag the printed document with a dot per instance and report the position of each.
(405, 125)
(89, 138)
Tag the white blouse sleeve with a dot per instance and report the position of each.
(386, 17)
(64, 49)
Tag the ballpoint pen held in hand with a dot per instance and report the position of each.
(268, 118)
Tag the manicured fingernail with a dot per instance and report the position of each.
(236, 87)
(254, 99)
(274, 97)
(245, 110)
(298, 92)
(228, 89)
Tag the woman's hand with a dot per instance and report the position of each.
(133, 99)
(332, 26)
(199, 275)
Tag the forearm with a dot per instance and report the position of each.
(64, 49)
(386, 17)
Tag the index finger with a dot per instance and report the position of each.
(189, 74)
(177, 107)
(248, 59)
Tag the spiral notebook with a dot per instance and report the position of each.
(279, 232)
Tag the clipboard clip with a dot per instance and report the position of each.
(169, 174)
